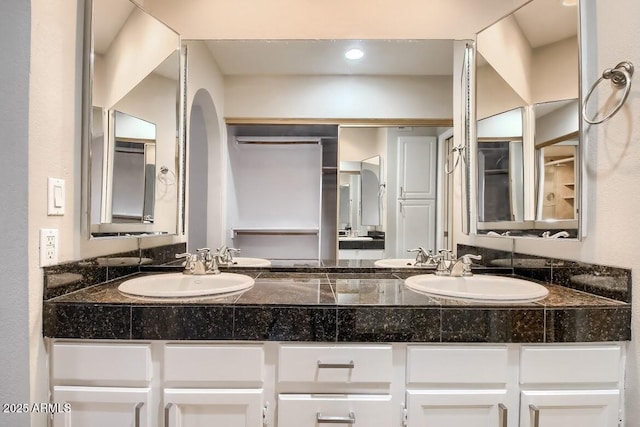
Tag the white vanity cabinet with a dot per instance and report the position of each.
(211, 385)
(253, 384)
(460, 386)
(571, 385)
(158, 384)
(335, 384)
(105, 384)
(515, 385)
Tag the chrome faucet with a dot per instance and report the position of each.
(423, 257)
(200, 263)
(225, 254)
(548, 235)
(462, 266)
(449, 265)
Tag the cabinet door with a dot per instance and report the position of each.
(561, 408)
(305, 410)
(456, 408)
(417, 167)
(416, 225)
(103, 406)
(213, 407)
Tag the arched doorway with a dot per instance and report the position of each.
(204, 177)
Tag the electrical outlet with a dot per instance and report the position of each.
(48, 246)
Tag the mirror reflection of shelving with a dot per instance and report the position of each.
(282, 194)
(558, 194)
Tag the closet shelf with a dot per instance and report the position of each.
(271, 231)
(560, 162)
(278, 140)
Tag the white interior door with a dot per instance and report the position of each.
(417, 167)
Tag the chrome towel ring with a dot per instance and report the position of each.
(620, 76)
(460, 150)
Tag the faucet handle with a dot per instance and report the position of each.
(466, 263)
(468, 257)
(446, 254)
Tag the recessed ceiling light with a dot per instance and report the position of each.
(354, 53)
(569, 2)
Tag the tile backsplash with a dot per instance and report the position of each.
(68, 277)
(606, 281)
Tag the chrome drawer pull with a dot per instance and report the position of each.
(502, 415)
(535, 415)
(136, 413)
(167, 413)
(351, 419)
(349, 365)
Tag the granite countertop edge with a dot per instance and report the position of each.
(88, 314)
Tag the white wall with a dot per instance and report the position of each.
(552, 75)
(512, 60)
(338, 97)
(55, 151)
(206, 88)
(15, 387)
(128, 62)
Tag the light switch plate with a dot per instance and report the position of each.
(55, 196)
(48, 246)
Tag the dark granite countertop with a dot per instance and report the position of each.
(334, 306)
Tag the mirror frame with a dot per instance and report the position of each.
(128, 230)
(502, 229)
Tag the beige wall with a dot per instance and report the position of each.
(357, 144)
(330, 19)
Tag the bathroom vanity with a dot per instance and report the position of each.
(332, 346)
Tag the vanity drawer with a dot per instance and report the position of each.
(570, 364)
(306, 410)
(81, 363)
(213, 363)
(457, 364)
(335, 364)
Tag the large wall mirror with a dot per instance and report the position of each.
(132, 165)
(527, 148)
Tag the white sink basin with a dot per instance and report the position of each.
(178, 285)
(250, 262)
(478, 287)
(354, 239)
(399, 263)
